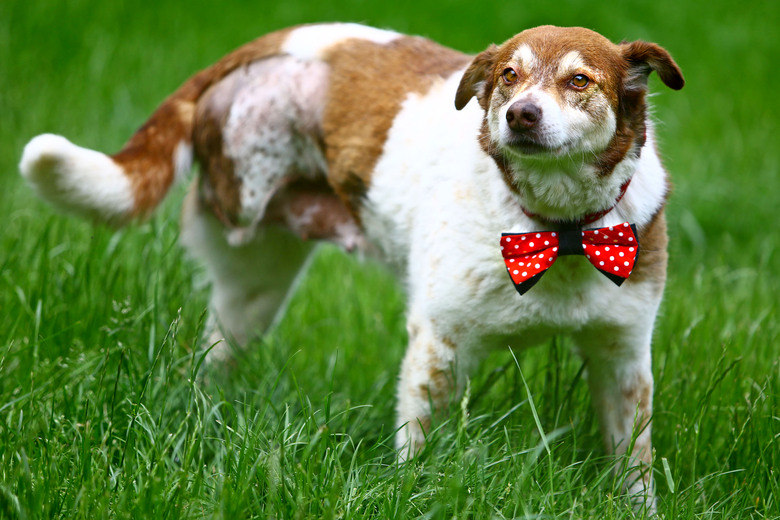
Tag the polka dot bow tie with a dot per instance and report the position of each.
(612, 250)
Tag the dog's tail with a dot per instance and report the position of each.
(132, 182)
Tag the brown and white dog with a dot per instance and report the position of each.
(348, 133)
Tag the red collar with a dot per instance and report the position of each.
(590, 217)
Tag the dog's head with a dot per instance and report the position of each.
(561, 92)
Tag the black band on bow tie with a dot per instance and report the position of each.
(570, 241)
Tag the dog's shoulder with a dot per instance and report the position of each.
(371, 72)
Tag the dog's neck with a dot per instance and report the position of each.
(564, 189)
(582, 220)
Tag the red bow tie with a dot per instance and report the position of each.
(612, 250)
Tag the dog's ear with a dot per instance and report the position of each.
(477, 80)
(643, 58)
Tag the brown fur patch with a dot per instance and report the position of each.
(311, 210)
(448, 342)
(438, 388)
(550, 44)
(640, 393)
(147, 158)
(220, 188)
(653, 256)
(369, 82)
(477, 80)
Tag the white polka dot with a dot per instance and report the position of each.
(596, 232)
(606, 248)
(601, 263)
(583, 233)
(631, 249)
(516, 246)
(620, 234)
(511, 259)
(502, 248)
(524, 238)
(537, 266)
(520, 263)
(612, 258)
(515, 272)
(616, 268)
(553, 234)
(538, 235)
(611, 228)
(530, 244)
(547, 242)
(555, 249)
(625, 224)
(630, 239)
(622, 253)
(598, 253)
(625, 264)
(525, 273)
(508, 239)
(550, 259)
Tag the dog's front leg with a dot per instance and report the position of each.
(621, 383)
(429, 376)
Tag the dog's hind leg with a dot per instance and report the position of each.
(249, 282)
(262, 193)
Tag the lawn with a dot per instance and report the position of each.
(101, 415)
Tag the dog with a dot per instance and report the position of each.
(448, 167)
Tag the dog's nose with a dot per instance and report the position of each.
(523, 115)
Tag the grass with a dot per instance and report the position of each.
(100, 413)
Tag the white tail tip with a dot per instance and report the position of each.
(77, 180)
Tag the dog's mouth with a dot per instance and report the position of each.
(521, 145)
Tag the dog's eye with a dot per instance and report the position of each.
(509, 75)
(580, 81)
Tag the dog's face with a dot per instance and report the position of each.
(552, 91)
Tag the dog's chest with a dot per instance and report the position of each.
(436, 208)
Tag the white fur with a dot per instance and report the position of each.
(525, 56)
(76, 179)
(182, 160)
(275, 106)
(648, 189)
(313, 41)
(250, 281)
(571, 62)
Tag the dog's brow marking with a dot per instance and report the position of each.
(526, 57)
(571, 62)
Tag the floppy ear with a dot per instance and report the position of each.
(477, 81)
(643, 58)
